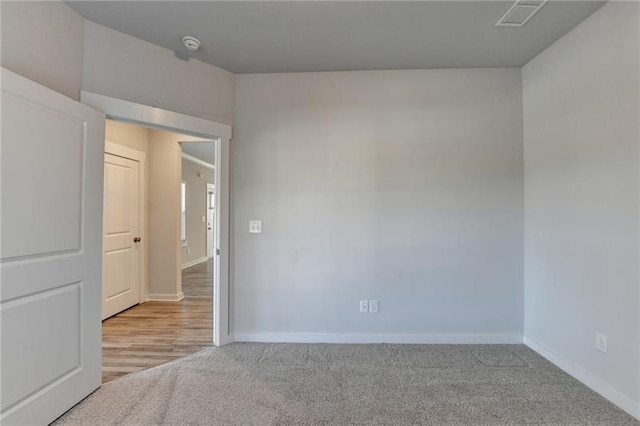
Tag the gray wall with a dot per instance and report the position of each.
(43, 41)
(400, 186)
(196, 208)
(165, 174)
(581, 199)
(51, 44)
(121, 66)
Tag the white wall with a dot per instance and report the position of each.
(581, 201)
(400, 186)
(43, 41)
(124, 67)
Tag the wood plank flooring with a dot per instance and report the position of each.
(153, 333)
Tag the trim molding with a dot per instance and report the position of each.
(160, 297)
(155, 117)
(198, 161)
(497, 338)
(604, 389)
(195, 262)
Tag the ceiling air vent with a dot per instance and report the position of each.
(520, 12)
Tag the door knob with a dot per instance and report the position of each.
(137, 240)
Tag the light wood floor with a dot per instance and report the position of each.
(153, 333)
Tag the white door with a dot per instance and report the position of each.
(50, 252)
(211, 202)
(121, 260)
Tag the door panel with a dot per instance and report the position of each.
(121, 278)
(58, 142)
(50, 254)
(23, 318)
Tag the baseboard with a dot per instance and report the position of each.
(159, 297)
(225, 340)
(194, 262)
(624, 402)
(497, 338)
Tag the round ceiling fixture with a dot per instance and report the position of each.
(191, 43)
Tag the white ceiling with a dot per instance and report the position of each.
(292, 36)
(204, 151)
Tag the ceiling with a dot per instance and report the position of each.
(294, 36)
(204, 151)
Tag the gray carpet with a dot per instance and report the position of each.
(313, 384)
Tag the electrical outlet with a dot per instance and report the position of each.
(364, 306)
(255, 227)
(601, 342)
(373, 306)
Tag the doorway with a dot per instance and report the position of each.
(157, 118)
(149, 321)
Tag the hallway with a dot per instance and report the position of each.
(153, 333)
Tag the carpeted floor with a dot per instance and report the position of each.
(265, 384)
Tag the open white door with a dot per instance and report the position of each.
(50, 254)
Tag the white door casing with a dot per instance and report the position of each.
(121, 244)
(211, 193)
(223, 333)
(50, 251)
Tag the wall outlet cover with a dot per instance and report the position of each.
(373, 306)
(255, 226)
(364, 306)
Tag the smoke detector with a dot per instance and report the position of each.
(191, 43)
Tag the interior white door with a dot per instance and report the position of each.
(50, 251)
(211, 203)
(121, 260)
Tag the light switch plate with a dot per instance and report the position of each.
(601, 342)
(255, 227)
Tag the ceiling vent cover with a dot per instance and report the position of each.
(520, 12)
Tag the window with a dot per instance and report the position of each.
(183, 208)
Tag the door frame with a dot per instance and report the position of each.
(157, 118)
(140, 157)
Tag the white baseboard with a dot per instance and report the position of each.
(498, 338)
(621, 400)
(194, 262)
(225, 340)
(159, 297)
